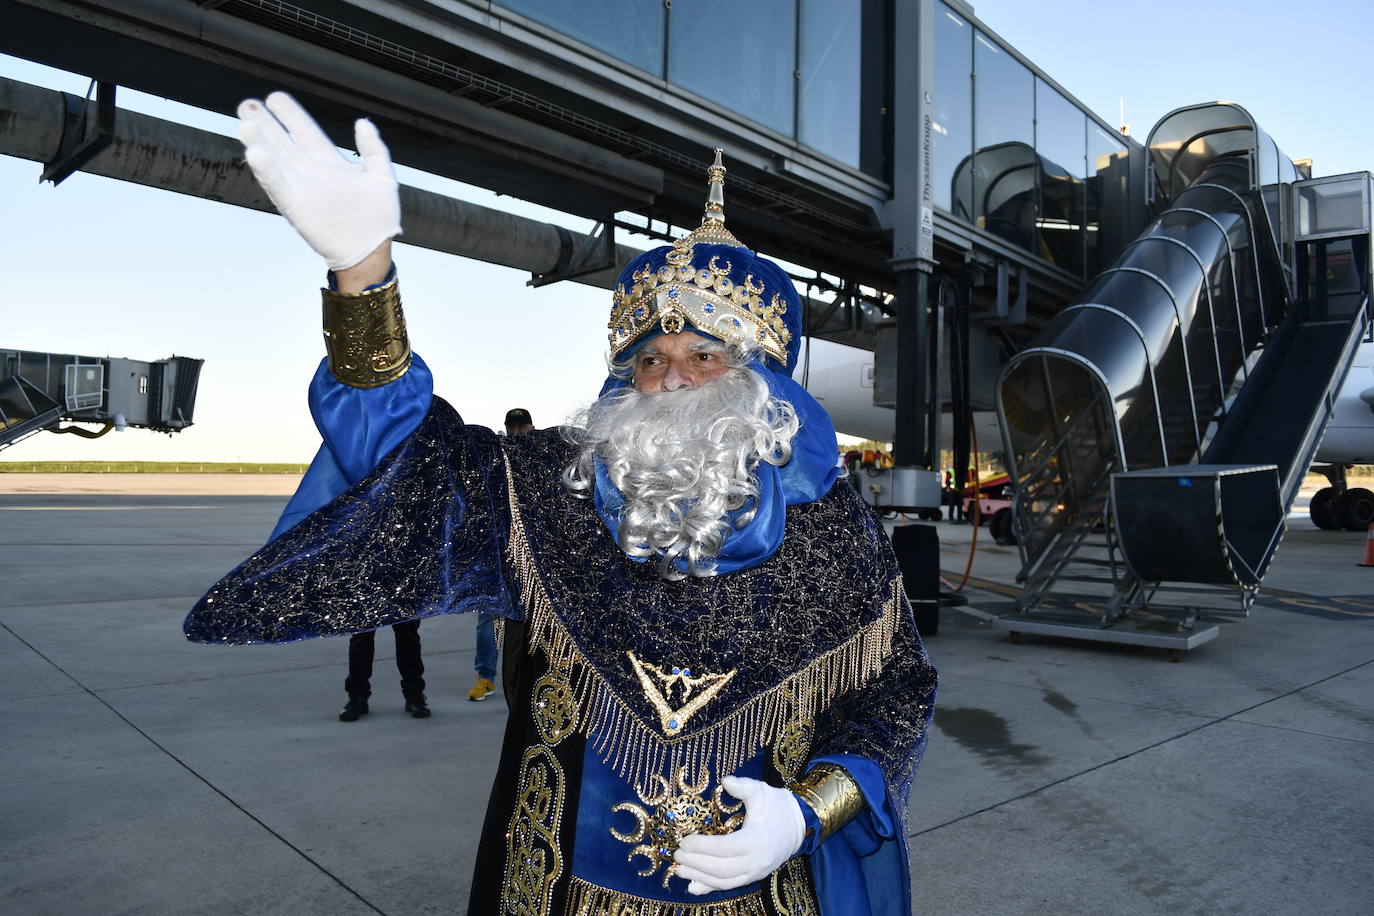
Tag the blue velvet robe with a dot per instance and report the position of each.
(407, 512)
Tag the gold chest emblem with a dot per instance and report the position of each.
(677, 695)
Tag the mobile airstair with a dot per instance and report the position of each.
(1158, 430)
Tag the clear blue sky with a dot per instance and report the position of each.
(1303, 70)
(100, 267)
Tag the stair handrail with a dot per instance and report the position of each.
(1038, 471)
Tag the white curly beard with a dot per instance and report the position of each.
(683, 460)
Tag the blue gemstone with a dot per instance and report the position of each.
(672, 723)
(677, 670)
(691, 809)
(708, 308)
(674, 293)
(671, 815)
(687, 672)
(708, 820)
(639, 312)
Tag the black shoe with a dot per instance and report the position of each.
(416, 706)
(356, 708)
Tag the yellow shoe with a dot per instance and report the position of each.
(481, 690)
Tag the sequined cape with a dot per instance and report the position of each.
(818, 642)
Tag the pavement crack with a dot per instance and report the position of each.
(193, 772)
(1303, 731)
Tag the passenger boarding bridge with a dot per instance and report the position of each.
(39, 391)
(938, 197)
(842, 153)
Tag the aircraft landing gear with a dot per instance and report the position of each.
(1340, 506)
(1355, 509)
(1323, 509)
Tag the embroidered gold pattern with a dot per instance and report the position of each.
(555, 707)
(674, 719)
(793, 749)
(587, 899)
(677, 810)
(637, 750)
(365, 336)
(533, 859)
(790, 888)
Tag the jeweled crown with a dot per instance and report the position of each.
(709, 280)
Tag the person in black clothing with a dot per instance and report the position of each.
(358, 683)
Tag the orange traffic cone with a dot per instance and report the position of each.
(1369, 547)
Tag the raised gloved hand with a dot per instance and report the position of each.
(342, 209)
(772, 833)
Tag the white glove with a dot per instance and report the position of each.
(342, 209)
(772, 833)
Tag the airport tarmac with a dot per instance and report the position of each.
(142, 774)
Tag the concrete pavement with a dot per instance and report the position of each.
(141, 774)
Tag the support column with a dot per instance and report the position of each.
(909, 441)
(913, 241)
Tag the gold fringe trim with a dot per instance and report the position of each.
(587, 899)
(636, 750)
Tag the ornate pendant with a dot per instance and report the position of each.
(679, 695)
(676, 810)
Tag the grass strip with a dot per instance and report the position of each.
(148, 467)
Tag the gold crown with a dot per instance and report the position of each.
(677, 293)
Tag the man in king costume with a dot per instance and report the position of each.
(719, 695)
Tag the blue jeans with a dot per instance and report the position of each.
(486, 647)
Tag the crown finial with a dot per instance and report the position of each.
(715, 191)
(712, 230)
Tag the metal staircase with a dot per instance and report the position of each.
(24, 410)
(1158, 429)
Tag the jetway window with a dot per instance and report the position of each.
(631, 30)
(748, 67)
(1020, 159)
(830, 101)
(952, 115)
(83, 386)
(1003, 118)
(1060, 142)
(814, 70)
(1005, 96)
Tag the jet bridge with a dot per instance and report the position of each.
(1158, 430)
(40, 390)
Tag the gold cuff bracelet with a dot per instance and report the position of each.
(833, 794)
(365, 335)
